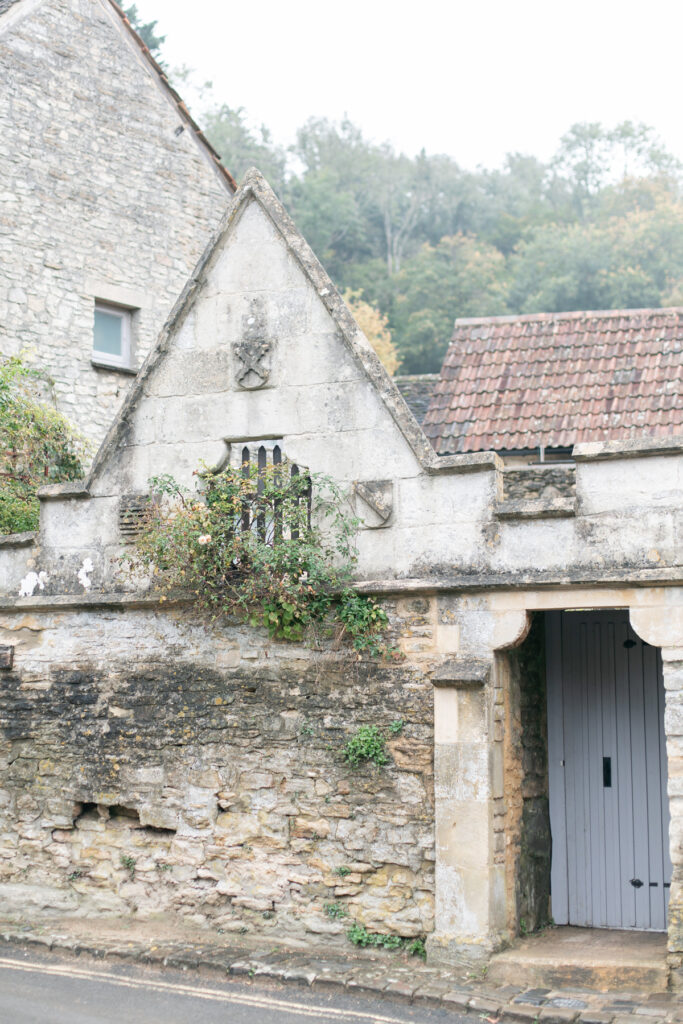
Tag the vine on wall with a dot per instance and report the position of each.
(267, 544)
(37, 446)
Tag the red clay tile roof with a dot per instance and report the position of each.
(555, 379)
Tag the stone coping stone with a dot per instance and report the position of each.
(376, 973)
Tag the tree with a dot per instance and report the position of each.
(631, 260)
(461, 276)
(147, 31)
(37, 446)
(241, 147)
(375, 327)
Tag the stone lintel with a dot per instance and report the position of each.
(467, 462)
(519, 581)
(552, 508)
(18, 540)
(594, 451)
(58, 492)
(462, 674)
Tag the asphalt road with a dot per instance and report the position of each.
(38, 988)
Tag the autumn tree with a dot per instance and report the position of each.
(375, 327)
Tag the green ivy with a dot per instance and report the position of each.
(37, 446)
(360, 936)
(269, 545)
(367, 744)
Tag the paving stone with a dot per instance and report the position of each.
(520, 1013)
(457, 999)
(596, 1017)
(401, 989)
(483, 1005)
(527, 999)
(302, 974)
(432, 993)
(557, 1015)
(367, 982)
(568, 1002)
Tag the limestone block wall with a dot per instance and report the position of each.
(150, 763)
(104, 193)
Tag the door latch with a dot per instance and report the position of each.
(636, 883)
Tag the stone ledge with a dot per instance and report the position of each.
(18, 540)
(57, 492)
(462, 674)
(594, 451)
(555, 508)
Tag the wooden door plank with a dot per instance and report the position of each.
(621, 774)
(598, 838)
(613, 913)
(653, 782)
(556, 771)
(639, 780)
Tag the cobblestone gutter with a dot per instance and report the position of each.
(387, 974)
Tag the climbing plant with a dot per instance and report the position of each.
(37, 446)
(268, 544)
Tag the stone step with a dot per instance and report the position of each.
(590, 958)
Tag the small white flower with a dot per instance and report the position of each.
(204, 539)
(303, 578)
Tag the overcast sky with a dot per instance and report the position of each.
(473, 79)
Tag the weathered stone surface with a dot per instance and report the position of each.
(116, 774)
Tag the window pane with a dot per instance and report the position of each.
(108, 333)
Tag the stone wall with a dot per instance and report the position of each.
(152, 764)
(528, 784)
(531, 483)
(104, 193)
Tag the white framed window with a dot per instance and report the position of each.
(112, 336)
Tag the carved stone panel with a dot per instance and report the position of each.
(253, 352)
(374, 502)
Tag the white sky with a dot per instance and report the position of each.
(471, 78)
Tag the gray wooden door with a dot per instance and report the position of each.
(609, 812)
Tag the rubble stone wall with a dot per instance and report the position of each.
(150, 763)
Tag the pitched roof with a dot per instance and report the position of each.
(557, 379)
(182, 109)
(417, 390)
(184, 113)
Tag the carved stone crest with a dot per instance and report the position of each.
(254, 351)
(376, 502)
(252, 362)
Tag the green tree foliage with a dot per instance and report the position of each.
(630, 258)
(37, 447)
(460, 276)
(147, 31)
(424, 241)
(242, 147)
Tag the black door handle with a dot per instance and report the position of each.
(607, 772)
(636, 883)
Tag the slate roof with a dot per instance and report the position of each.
(417, 389)
(557, 379)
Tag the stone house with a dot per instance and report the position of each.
(540, 684)
(108, 195)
